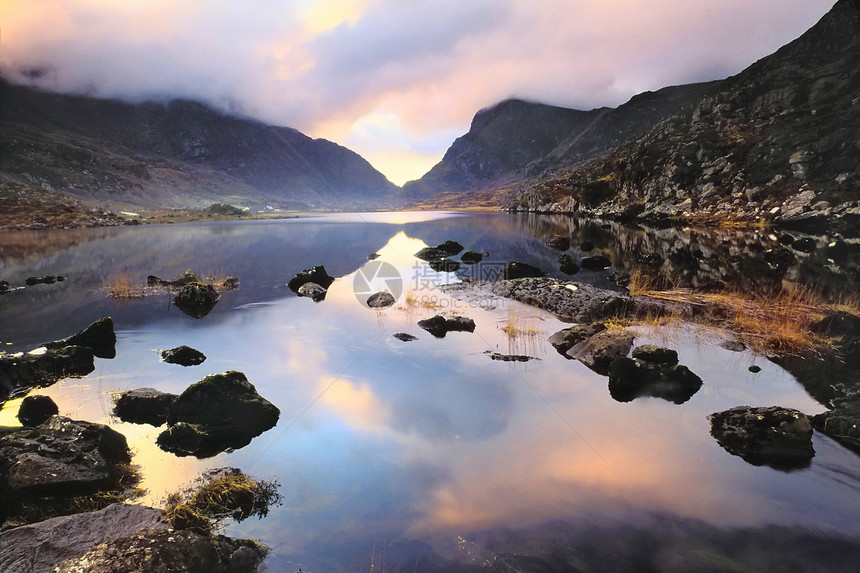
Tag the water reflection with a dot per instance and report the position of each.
(429, 447)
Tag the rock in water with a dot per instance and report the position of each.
(518, 270)
(224, 410)
(773, 436)
(444, 265)
(631, 378)
(842, 423)
(471, 257)
(316, 274)
(98, 337)
(559, 243)
(143, 406)
(404, 336)
(183, 355)
(598, 351)
(450, 248)
(380, 299)
(35, 410)
(20, 372)
(439, 326)
(312, 291)
(196, 299)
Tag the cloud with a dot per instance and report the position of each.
(332, 68)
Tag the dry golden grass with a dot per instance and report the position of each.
(779, 321)
(521, 325)
(122, 287)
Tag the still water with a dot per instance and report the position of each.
(427, 455)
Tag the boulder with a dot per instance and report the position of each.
(598, 351)
(312, 291)
(404, 336)
(224, 409)
(98, 337)
(559, 243)
(450, 248)
(159, 550)
(143, 406)
(42, 367)
(444, 265)
(567, 338)
(381, 299)
(471, 257)
(570, 301)
(431, 254)
(773, 436)
(37, 547)
(631, 378)
(183, 355)
(315, 274)
(655, 354)
(518, 270)
(842, 423)
(439, 326)
(60, 457)
(196, 299)
(595, 263)
(35, 410)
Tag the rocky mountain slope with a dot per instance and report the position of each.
(178, 154)
(775, 143)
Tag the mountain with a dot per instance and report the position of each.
(177, 154)
(777, 142)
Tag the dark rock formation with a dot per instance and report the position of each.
(183, 355)
(143, 406)
(312, 291)
(158, 551)
(187, 277)
(559, 243)
(450, 248)
(567, 338)
(315, 274)
(595, 263)
(45, 280)
(381, 299)
(60, 457)
(98, 337)
(567, 265)
(571, 302)
(598, 351)
(431, 254)
(439, 326)
(21, 372)
(404, 336)
(471, 257)
(38, 547)
(35, 410)
(842, 423)
(511, 357)
(223, 410)
(196, 299)
(444, 265)
(773, 436)
(655, 354)
(631, 378)
(518, 270)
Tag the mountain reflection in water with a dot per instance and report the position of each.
(428, 452)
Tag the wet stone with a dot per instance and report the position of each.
(35, 410)
(183, 355)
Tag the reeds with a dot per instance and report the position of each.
(122, 287)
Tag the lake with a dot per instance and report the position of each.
(428, 455)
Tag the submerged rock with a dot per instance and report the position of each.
(431, 254)
(598, 351)
(37, 547)
(183, 355)
(404, 336)
(567, 265)
(316, 274)
(842, 423)
(21, 372)
(159, 550)
(511, 357)
(631, 378)
(559, 243)
(777, 437)
(472, 257)
(223, 410)
(595, 263)
(98, 336)
(518, 270)
(444, 265)
(381, 299)
(45, 280)
(35, 410)
(312, 291)
(439, 326)
(196, 299)
(143, 406)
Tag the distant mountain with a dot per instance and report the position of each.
(177, 154)
(777, 142)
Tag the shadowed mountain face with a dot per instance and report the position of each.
(178, 154)
(776, 142)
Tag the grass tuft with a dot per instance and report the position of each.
(122, 287)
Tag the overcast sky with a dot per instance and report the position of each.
(395, 80)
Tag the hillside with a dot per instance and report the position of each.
(178, 154)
